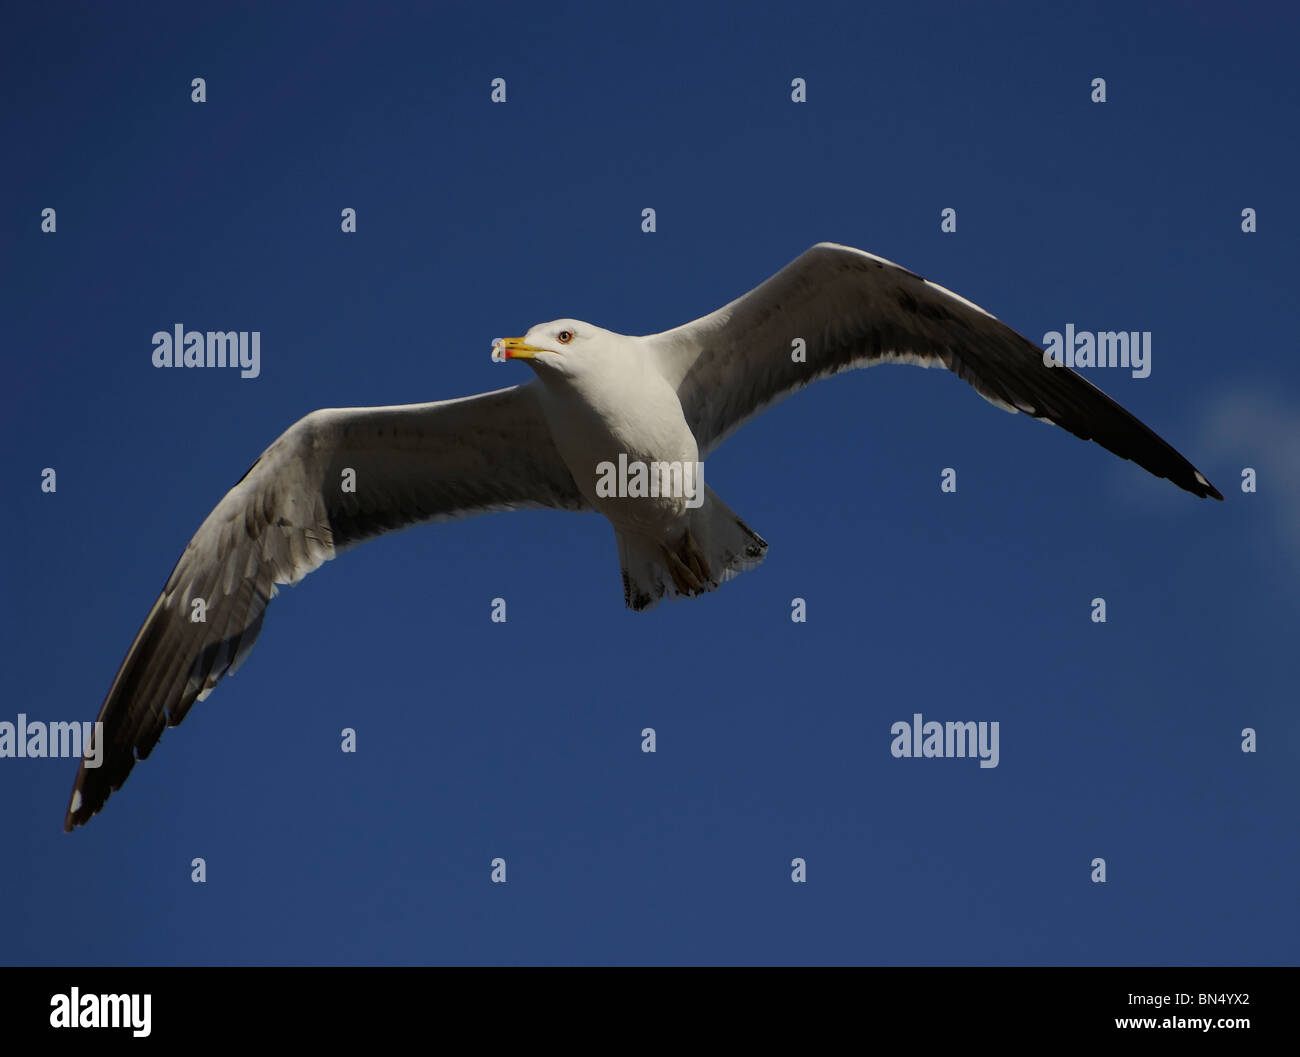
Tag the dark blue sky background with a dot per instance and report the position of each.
(522, 740)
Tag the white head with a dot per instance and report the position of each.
(564, 346)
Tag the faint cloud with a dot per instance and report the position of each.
(1260, 429)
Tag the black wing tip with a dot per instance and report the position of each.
(89, 795)
(80, 810)
(73, 819)
(1202, 487)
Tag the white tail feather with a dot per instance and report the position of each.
(728, 546)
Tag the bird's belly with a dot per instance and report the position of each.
(639, 468)
(632, 508)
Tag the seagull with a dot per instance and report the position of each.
(657, 404)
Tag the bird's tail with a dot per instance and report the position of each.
(716, 547)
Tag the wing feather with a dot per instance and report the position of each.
(854, 309)
(291, 513)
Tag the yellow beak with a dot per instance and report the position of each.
(514, 349)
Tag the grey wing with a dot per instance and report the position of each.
(333, 479)
(853, 309)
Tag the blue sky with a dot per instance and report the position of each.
(477, 740)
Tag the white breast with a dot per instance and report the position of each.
(619, 415)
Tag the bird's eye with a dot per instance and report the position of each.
(565, 336)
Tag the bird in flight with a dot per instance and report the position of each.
(611, 423)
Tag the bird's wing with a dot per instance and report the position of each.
(853, 309)
(333, 479)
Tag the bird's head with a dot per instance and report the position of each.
(565, 346)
